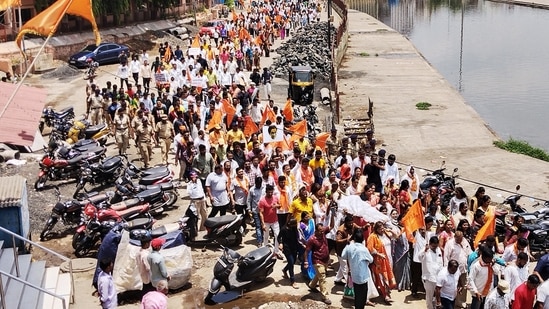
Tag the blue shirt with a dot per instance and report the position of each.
(542, 267)
(474, 256)
(358, 258)
(158, 267)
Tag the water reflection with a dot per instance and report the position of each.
(493, 53)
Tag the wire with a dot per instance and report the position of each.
(483, 184)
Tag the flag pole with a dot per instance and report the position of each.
(34, 60)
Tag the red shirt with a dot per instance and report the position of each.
(266, 205)
(319, 247)
(524, 297)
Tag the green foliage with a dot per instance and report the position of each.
(364, 54)
(523, 147)
(423, 106)
(229, 3)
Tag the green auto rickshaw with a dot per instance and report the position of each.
(301, 84)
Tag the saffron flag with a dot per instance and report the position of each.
(489, 226)
(5, 4)
(321, 140)
(48, 20)
(249, 126)
(196, 41)
(298, 130)
(268, 114)
(413, 220)
(284, 144)
(235, 16)
(288, 111)
(217, 118)
(230, 110)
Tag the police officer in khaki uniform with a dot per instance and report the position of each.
(164, 135)
(95, 107)
(122, 131)
(144, 140)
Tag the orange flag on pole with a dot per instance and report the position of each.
(413, 220)
(217, 118)
(288, 111)
(284, 144)
(321, 140)
(489, 227)
(249, 126)
(5, 4)
(268, 114)
(299, 130)
(231, 111)
(48, 20)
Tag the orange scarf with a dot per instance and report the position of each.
(488, 285)
(246, 187)
(284, 205)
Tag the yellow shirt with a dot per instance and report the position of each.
(303, 145)
(233, 136)
(314, 164)
(298, 206)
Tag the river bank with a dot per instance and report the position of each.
(382, 64)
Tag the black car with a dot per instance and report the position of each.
(104, 53)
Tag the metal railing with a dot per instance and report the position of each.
(2, 292)
(32, 243)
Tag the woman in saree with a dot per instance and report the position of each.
(381, 269)
(401, 259)
(306, 230)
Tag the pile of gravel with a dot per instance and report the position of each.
(308, 46)
(62, 72)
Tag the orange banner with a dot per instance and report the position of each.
(48, 20)
(217, 118)
(249, 126)
(321, 139)
(268, 114)
(489, 227)
(288, 111)
(299, 130)
(413, 220)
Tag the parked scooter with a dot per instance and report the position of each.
(445, 184)
(102, 173)
(97, 223)
(50, 116)
(226, 230)
(161, 196)
(255, 266)
(52, 168)
(512, 201)
(82, 130)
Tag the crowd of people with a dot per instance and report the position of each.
(211, 104)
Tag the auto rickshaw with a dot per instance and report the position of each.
(301, 85)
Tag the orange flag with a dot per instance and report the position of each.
(413, 220)
(299, 130)
(249, 126)
(267, 114)
(488, 228)
(5, 4)
(321, 140)
(196, 41)
(288, 111)
(235, 17)
(231, 111)
(284, 144)
(217, 118)
(48, 20)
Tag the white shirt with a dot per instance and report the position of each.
(123, 72)
(431, 264)
(515, 276)
(509, 253)
(338, 160)
(458, 252)
(419, 245)
(495, 301)
(358, 163)
(448, 283)
(218, 188)
(543, 294)
(390, 170)
(478, 277)
(195, 190)
(135, 66)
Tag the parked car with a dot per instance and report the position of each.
(209, 26)
(103, 54)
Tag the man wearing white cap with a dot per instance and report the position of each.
(498, 298)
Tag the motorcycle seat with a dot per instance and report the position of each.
(92, 130)
(148, 194)
(140, 223)
(64, 112)
(154, 170)
(219, 221)
(149, 180)
(164, 229)
(125, 204)
(132, 211)
(111, 163)
(84, 143)
(76, 159)
(165, 186)
(256, 256)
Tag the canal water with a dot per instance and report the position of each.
(496, 55)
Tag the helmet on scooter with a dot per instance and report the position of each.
(141, 234)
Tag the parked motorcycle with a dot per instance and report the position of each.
(161, 196)
(512, 201)
(226, 230)
(96, 223)
(50, 116)
(255, 266)
(445, 184)
(70, 212)
(151, 176)
(82, 130)
(52, 168)
(102, 173)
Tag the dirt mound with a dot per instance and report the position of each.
(136, 45)
(64, 71)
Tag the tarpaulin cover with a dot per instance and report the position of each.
(354, 205)
(177, 256)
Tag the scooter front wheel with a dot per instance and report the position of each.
(209, 299)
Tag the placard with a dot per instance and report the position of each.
(273, 133)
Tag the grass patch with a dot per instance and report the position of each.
(524, 148)
(423, 106)
(364, 54)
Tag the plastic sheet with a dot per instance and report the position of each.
(354, 205)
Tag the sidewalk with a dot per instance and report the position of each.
(385, 66)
